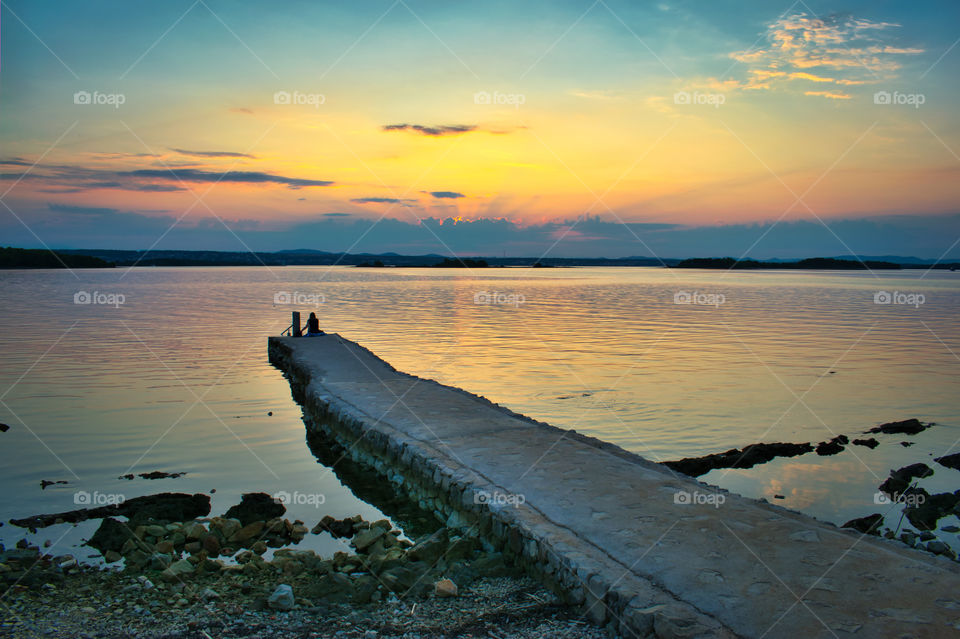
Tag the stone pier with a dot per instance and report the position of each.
(642, 550)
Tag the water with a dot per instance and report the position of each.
(176, 377)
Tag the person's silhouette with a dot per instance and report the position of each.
(313, 325)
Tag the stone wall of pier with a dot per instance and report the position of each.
(604, 589)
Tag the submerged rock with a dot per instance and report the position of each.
(159, 507)
(899, 480)
(833, 446)
(749, 457)
(906, 427)
(928, 509)
(256, 507)
(950, 461)
(869, 442)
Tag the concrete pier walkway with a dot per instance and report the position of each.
(637, 546)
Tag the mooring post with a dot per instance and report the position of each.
(295, 324)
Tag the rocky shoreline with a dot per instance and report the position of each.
(239, 576)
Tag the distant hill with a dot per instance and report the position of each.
(92, 258)
(823, 263)
(42, 258)
(310, 257)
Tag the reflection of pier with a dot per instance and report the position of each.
(654, 553)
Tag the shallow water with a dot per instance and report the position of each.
(176, 377)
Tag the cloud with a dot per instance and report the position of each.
(433, 131)
(381, 200)
(837, 49)
(594, 95)
(246, 177)
(214, 154)
(833, 95)
(446, 195)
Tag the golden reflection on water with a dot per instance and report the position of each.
(786, 356)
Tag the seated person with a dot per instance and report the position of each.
(313, 326)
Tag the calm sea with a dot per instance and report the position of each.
(166, 369)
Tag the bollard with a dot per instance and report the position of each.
(295, 323)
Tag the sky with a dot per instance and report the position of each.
(590, 128)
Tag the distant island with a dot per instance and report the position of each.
(446, 263)
(13, 258)
(823, 263)
(42, 258)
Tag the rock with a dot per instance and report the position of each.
(899, 480)
(159, 561)
(177, 570)
(259, 547)
(336, 527)
(256, 507)
(365, 538)
(951, 529)
(245, 534)
(833, 446)
(211, 544)
(192, 547)
(906, 427)
(950, 461)
(165, 547)
(868, 525)
(445, 588)
(111, 535)
(928, 509)
(749, 457)
(156, 531)
(4, 428)
(431, 547)
(869, 442)
(195, 531)
(282, 598)
(940, 548)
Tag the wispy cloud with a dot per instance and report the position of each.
(837, 49)
(381, 200)
(247, 177)
(446, 195)
(213, 154)
(69, 178)
(432, 131)
(833, 95)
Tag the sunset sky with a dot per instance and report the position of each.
(564, 128)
